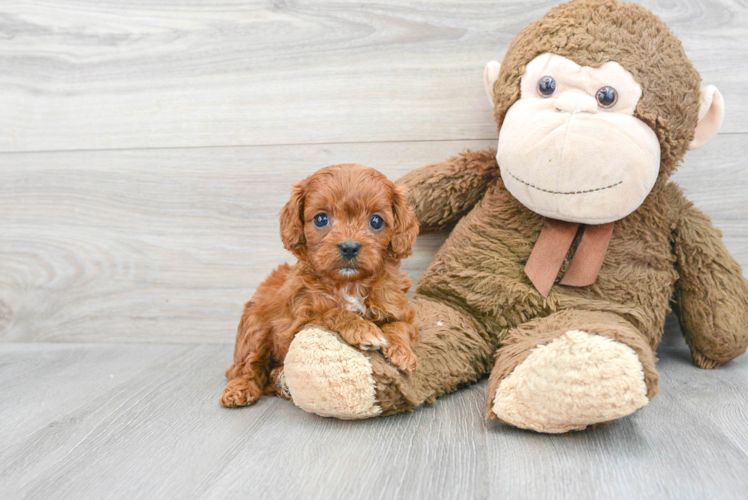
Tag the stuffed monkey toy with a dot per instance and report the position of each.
(568, 243)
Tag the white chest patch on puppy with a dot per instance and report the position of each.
(353, 299)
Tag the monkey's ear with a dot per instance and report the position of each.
(490, 75)
(292, 221)
(405, 230)
(711, 113)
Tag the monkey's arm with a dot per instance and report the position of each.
(443, 192)
(711, 292)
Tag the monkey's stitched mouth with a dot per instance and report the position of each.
(564, 192)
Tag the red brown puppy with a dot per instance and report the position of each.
(349, 227)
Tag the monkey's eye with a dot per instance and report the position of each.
(321, 220)
(546, 86)
(607, 97)
(376, 222)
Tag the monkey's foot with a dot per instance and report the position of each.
(574, 381)
(328, 377)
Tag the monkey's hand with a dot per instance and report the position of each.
(711, 292)
(443, 192)
(355, 330)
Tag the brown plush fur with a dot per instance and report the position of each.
(320, 289)
(475, 295)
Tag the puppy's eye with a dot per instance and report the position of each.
(321, 220)
(546, 86)
(376, 222)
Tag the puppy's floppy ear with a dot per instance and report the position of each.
(405, 228)
(292, 220)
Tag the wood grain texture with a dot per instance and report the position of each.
(157, 245)
(146, 147)
(103, 74)
(152, 428)
(166, 245)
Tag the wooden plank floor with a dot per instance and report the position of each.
(141, 421)
(146, 147)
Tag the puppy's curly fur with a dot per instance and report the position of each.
(328, 219)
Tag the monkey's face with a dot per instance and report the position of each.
(571, 148)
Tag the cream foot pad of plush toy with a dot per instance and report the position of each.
(328, 377)
(576, 380)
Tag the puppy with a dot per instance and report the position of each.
(349, 227)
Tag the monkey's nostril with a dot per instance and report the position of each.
(349, 249)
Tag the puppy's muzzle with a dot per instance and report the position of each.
(349, 249)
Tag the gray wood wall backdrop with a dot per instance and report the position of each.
(147, 146)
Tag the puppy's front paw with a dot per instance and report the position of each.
(240, 392)
(365, 335)
(401, 356)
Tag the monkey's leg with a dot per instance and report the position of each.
(570, 370)
(330, 378)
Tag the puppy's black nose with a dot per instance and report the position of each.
(349, 249)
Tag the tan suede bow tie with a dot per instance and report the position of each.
(553, 244)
